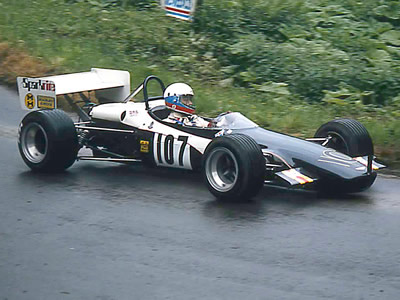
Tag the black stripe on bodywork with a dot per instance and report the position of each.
(159, 148)
(196, 159)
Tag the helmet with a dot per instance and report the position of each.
(179, 97)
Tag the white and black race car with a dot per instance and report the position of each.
(236, 156)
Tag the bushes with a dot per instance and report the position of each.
(309, 67)
(312, 46)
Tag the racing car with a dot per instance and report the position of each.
(235, 155)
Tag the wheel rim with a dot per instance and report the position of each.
(337, 142)
(222, 169)
(34, 142)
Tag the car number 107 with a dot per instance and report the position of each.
(171, 151)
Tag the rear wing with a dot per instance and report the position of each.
(41, 93)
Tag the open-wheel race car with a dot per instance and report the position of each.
(235, 155)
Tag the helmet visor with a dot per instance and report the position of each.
(186, 100)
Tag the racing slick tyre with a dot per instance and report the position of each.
(351, 138)
(48, 141)
(234, 167)
(347, 136)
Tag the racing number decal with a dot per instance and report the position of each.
(184, 140)
(169, 149)
(172, 152)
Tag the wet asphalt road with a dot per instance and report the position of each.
(108, 231)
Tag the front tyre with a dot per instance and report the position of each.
(347, 136)
(48, 141)
(350, 137)
(234, 167)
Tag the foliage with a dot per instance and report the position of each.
(312, 46)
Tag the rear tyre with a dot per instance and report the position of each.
(48, 141)
(347, 136)
(234, 167)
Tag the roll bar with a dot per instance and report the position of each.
(143, 87)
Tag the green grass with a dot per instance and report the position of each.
(75, 37)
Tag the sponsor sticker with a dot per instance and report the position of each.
(30, 101)
(180, 9)
(46, 102)
(41, 85)
(133, 113)
(144, 146)
(296, 175)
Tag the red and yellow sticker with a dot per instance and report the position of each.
(296, 175)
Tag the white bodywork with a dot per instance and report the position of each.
(138, 117)
(41, 93)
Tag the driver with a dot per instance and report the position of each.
(179, 98)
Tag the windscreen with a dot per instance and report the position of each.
(234, 120)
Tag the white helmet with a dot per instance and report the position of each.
(179, 96)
